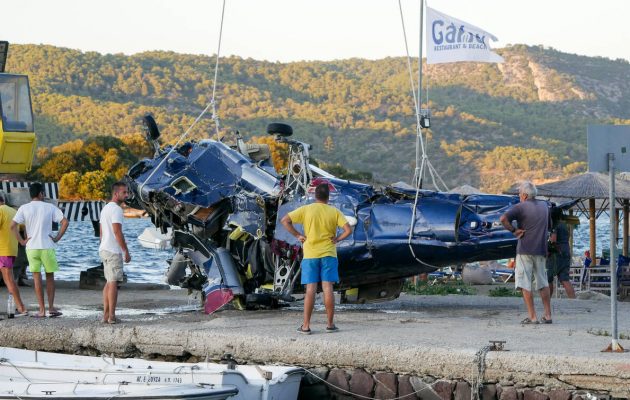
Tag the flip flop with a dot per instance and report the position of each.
(303, 331)
(544, 320)
(528, 321)
(38, 316)
(21, 314)
(330, 329)
(54, 314)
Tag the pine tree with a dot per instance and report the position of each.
(329, 144)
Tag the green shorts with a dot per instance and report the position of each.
(37, 257)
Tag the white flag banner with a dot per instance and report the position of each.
(451, 40)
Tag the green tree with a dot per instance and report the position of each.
(538, 99)
(95, 185)
(137, 145)
(279, 151)
(505, 165)
(85, 168)
(329, 144)
(111, 161)
(56, 166)
(69, 185)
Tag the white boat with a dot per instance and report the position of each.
(53, 390)
(27, 367)
(153, 238)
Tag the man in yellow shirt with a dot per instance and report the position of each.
(319, 263)
(8, 252)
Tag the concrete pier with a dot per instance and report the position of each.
(416, 335)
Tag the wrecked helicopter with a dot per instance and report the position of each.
(224, 204)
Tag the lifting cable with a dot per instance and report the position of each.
(212, 103)
(419, 171)
(417, 100)
(215, 115)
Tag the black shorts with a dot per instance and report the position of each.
(558, 265)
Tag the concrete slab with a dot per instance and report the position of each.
(417, 335)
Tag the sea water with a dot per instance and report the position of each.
(78, 249)
(581, 239)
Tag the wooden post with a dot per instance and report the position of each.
(591, 220)
(571, 227)
(616, 221)
(626, 226)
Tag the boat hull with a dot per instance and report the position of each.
(252, 382)
(74, 391)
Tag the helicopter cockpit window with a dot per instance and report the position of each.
(183, 185)
(15, 104)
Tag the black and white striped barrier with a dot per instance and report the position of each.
(81, 210)
(51, 189)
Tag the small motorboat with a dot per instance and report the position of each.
(53, 390)
(22, 371)
(153, 238)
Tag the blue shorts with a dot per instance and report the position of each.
(324, 269)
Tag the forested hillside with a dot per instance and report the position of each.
(492, 123)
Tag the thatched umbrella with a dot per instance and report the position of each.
(465, 189)
(590, 186)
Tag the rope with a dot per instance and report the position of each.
(7, 361)
(212, 104)
(367, 397)
(438, 175)
(477, 381)
(215, 116)
(413, 222)
(413, 94)
(420, 170)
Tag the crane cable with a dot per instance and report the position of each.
(215, 115)
(212, 103)
(425, 160)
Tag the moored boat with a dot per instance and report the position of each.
(153, 238)
(54, 390)
(28, 367)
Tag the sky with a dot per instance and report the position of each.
(293, 30)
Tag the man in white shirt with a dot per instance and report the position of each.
(113, 249)
(38, 216)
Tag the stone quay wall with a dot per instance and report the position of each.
(346, 384)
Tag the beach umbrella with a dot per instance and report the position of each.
(465, 189)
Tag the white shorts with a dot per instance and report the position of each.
(530, 272)
(113, 265)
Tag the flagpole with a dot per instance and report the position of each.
(420, 56)
(418, 176)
